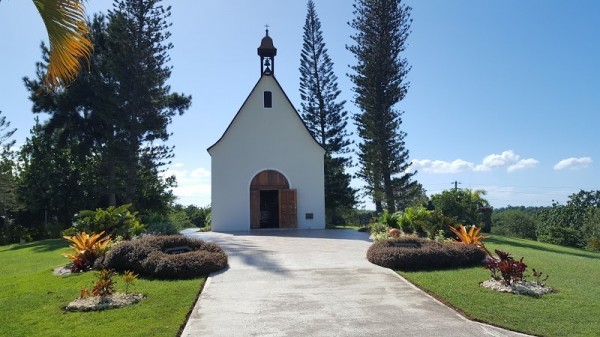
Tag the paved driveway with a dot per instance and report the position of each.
(315, 283)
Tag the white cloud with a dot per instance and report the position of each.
(193, 187)
(508, 159)
(522, 164)
(498, 160)
(200, 173)
(441, 167)
(573, 163)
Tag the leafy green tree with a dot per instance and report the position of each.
(514, 223)
(55, 182)
(465, 205)
(564, 224)
(591, 229)
(382, 28)
(529, 210)
(180, 219)
(198, 215)
(324, 115)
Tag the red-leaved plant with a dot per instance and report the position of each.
(505, 267)
(105, 285)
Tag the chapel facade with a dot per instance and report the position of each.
(267, 171)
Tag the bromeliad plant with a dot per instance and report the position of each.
(506, 268)
(470, 237)
(87, 249)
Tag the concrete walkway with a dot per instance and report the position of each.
(316, 283)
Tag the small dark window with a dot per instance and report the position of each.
(268, 99)
(309, 216)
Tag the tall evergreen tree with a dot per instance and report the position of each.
(116, 114)
(324, 114)
(382, 27)
(139, 65)
(6, 133)
(8, 196)
(83, 115)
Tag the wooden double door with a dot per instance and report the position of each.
(272, 203)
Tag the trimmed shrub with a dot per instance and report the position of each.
(147, 257)
(396, 254)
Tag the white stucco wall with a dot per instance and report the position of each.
(261, 139)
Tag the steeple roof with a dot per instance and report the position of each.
(267, 49)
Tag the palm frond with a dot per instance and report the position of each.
(67, 29)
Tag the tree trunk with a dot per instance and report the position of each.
(389, 192)
(131, 186)
(112, 184)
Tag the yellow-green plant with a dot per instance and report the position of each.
(470, 237)
(129, 278)
(87, 249)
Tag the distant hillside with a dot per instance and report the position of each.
(524, 209)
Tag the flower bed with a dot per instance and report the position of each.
(150, 256)
(521, 287)
(96, 303)
(410, 253)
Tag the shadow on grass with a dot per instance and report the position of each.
(537, 246)
(41, 246)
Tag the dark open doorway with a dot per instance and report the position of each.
(269, 209)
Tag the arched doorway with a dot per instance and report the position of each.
(272, 203)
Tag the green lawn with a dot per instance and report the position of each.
(345, 227)
(573, 311)
(32, 299)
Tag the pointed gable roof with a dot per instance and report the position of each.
(246, 100)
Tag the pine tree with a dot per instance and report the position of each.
(138, 50)
(324, 114)
(118, 111)
(5, 134)
(8, 199)
(382, 27)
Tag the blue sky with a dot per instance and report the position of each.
(504, 96)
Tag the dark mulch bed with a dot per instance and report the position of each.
(411, 253)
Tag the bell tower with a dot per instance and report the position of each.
(267, 53)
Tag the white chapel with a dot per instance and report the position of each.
(267, 170)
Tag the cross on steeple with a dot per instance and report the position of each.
(267, 29)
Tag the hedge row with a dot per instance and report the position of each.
(146, 256)
(394, 254)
